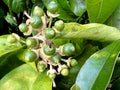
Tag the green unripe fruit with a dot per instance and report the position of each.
(38, 11)
(68, 49)
(49, 50)
(23, 27)
(30, 56)
(31, 42)
(41, 67)
(59, 25)
(52, 7)
(49, 33)
(56, 58)
(11, 39)
(36, 22)
(73, 62)
(65, 72)
(52, 75)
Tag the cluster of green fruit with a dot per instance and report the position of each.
(40, 47)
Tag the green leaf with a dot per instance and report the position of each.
(25, 78)
(78, 7)
(100, 10)
(42, 82)
(10, 19)
(92, 31)
(65, 11)
(8, 62)
(20, 78)
(8, 59)
(6, 47)
(16, 6)
(95, 74)
(114, 20)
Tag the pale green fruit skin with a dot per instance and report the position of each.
(49, 50)
(23, 27)
(52, 7)
(36, 22)
(49, 33)
(38, 11)
(59, 25)
(65, 72)
(56, 58)
(41, 67)
(11, 39)
(68, 49)
(73, 62)
(30, 56)
(31, 42)
(52, 75)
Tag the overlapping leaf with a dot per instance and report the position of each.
(100, 10)
(78, 7)
(96, 73)
(25, 78)
(92, 31)
(16, 6)
(114, 20)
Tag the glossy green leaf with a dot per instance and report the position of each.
(20, 78)
(65, 11)
(10, 19)
(92, 31)
(25, 78)
(78, 7)
(65, 83)
(16, 6)
(96, 73)
(6, 47)
(100, 10)
(8, 62)
(114, 20)
(8, 59)
(42, 82)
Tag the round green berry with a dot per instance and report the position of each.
(49, 50)
(52, 7)
(49, 33)
(41, 67)
(68, 49)
(65, 72)
(56, 58)
(52, 75)
(23, 27)
(38, 11)
(36, 22)
(30, 56)
(11, 39)
(59, 25)
(73, 62)
(31, 42)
